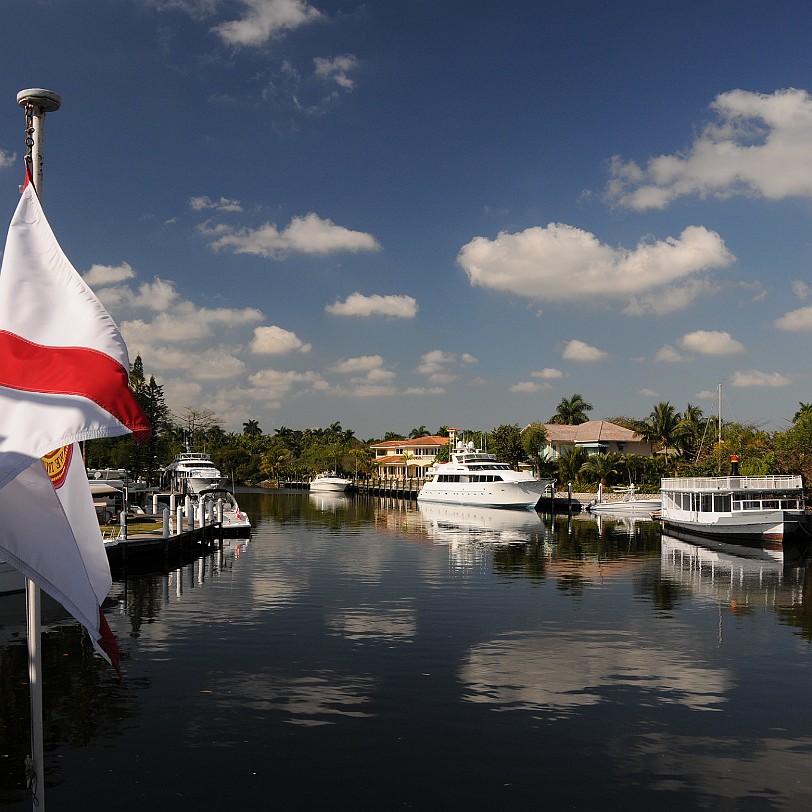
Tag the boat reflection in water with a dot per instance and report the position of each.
(456, 523)
(329, 501)
(472, 532)
(733, 576)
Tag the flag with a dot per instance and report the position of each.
(63, 363)
(63, 379)
(49, 531)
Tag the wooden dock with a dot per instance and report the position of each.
(141, 553)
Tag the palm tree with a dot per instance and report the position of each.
(572, 411)
(602, 466)
(805, 408)
(660, 427)
(420, 431)
(570, 462)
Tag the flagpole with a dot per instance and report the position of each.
(36, 102)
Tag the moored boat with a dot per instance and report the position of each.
(330, 481)
(191, 472)
(757, 511)
(475, 477)
(235, 521)
(629, 504)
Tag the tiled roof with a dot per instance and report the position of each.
(429, 440)
(592, 431)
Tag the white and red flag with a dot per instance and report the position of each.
(63, 379)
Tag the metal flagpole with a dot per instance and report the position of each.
(36, 102)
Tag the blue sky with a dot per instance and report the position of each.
(393, 214)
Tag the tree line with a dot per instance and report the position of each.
(685, 443)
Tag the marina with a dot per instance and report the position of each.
(380, 653)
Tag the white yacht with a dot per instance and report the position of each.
(758, 511)
(330, 481)
(192, 472)
(475, 477)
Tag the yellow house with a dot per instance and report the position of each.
(407, 458)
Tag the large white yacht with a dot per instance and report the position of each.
(475, 477)
(191, 472)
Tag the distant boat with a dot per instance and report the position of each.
(630, 504)
(191, 472)
(330, 481)
(475, 477)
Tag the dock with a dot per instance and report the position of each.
(147, 552)
(408, 487)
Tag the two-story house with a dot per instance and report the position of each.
(407, 458)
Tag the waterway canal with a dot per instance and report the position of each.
(366, 654)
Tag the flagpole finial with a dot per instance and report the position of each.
(46, 100)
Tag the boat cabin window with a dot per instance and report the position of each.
(721, 502)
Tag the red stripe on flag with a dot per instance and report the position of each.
(80, 371)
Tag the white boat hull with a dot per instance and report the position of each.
(522, 494)
(330, 485)
(637, 507)
(765, 526)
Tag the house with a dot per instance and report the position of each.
(407, 458)
(596, 436)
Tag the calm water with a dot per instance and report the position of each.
(365, 654)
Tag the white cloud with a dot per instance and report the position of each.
(361, 364)
(442, 367)
(753, 377)
(305, 235)
(565, 264)
(275, 340)
(215, 364)
(801, 289)
(711, 342)
(760, 145)
(548, 373)
(205, 202)
(796, 321)
(101, 275)
(668, 354)
(336, 70)
(186, 322)
(7, 158)
(525, 386)
(648, 393)
(276, 383)
(158, 296)
(576, 350)
(264, 19)
(356, 304)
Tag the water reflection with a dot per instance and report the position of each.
(740, 581)
(389, 621)
(558, 672)
(470, 645)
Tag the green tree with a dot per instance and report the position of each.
(569, 463)
(420, 431)
(506, 443)
(660, 427)
(572, 411)
(602, 467)
(534, 441)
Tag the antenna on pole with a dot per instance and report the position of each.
(36, 102)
